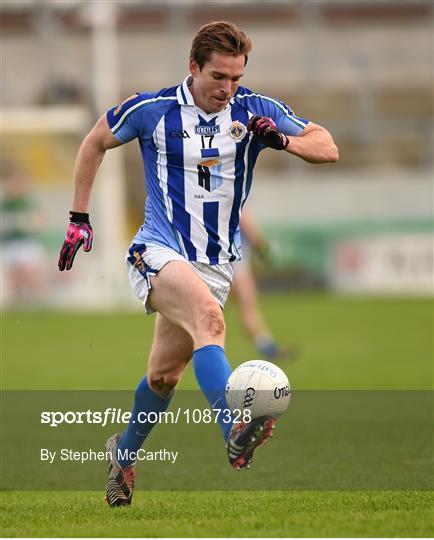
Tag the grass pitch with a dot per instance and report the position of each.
(343, 343)
(216, 514)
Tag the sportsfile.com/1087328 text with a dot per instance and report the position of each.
(117, 416)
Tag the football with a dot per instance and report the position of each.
(259, 386)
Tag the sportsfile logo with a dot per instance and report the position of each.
(113, 415)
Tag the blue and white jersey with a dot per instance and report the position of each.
(198, 166)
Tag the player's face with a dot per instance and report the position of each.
(216, 83)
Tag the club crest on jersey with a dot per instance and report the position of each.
(237, 130)
(209, 174)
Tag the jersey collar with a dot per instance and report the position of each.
(183, 93)
(185, 97)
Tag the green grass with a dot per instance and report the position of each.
(344, 343)
(260, 514)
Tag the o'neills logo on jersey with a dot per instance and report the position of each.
(206, 130)
(237, 130)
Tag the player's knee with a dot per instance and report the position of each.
(163, 384)
(213, 323)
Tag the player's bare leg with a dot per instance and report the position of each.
(183, 298)
(171, 350)
(201, 317)
(245, 290)
(188, 317)
(186, 301)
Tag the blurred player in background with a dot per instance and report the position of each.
(22, 252)
(199, 141)
(245, 291)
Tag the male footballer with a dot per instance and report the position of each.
(199, 141)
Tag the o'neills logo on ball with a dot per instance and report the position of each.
(283, 391)
(237, 130)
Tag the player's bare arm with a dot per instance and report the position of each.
(89, 158)
(90, 155)
(314, 145)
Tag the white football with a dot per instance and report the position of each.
(259, 386)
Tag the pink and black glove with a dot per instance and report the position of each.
(268, 133)
(79, 233)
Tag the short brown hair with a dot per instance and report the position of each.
(222, 37)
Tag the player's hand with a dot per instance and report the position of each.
(267, 131)
(79, 233)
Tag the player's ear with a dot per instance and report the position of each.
(194, 67)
